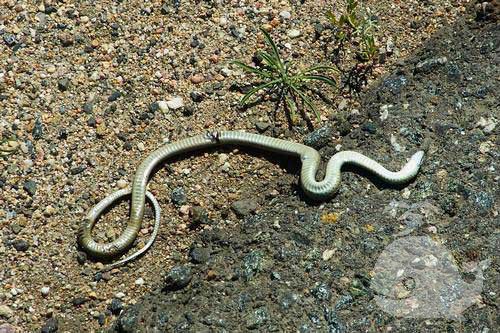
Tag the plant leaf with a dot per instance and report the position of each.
(322, 78)
(254, 90)
(307, 102)
(275, 53)
(252, 69)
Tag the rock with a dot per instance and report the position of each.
(244, 207)
(66, 39)
(196, 96)
(92, 122)
(321, 292)
(116, 306)
(77, 301)
(163, 106)
(319, 138)
(178, 278)
(199, 216)
(251, 265)
(198, 78)
(395, 83)
(487, 125)
(50, 326)
(262, 126)
(175, 103)
(293, 33)
(199, 255)
(483, 201)
(141, 146)
(114, 96)
(257, 318)
(30, 187)
(87, 107)
(369, 127)
(45, 291)
(139, 282)
(20, 245)
(37, 129)
(430, 64)
(77, 170)
(5, 312)
(178, 196)
(285, 15)
(9, 39)
(122, 183)
(8, 328)
(63, 84)
(81, 257)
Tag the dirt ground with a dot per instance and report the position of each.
(78, 86)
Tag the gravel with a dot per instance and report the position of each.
(118, 60)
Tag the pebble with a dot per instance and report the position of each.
(244, 207)
(114, 96)
(63, 84)
(139, 282)
(262, 126)
(319, 137)
(199, 255)
(196, 96)
(175, 103)
(20, 245)
(163, 106)
(286, 15)
(199, 216)
(196, 79)
(116, 306)
(184, 209)
(122, 183)
(141, 146)
(49, 211)
(120, 295)
(257, 318)
(5, 312)
(178, 278)
(293, 33)
(178, 196)
(45, 291)
(66, 39)
(50, 326)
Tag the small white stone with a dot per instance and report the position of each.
(328, 254)
(122, 183)
(226, 167)
(45, 291)
(293, 33)
(141, 146)
(223, 21)
(51, 69)
(163, 106)
(84, 19)
(120, 295)
(285, 15)
(139, 281)
(223, 158)
(175, 103)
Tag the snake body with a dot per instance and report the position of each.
(310, 158)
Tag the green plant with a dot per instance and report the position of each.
(282, 77)
(355, 28)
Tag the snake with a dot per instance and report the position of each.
(318, 190)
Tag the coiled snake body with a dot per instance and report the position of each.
(310, 158)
